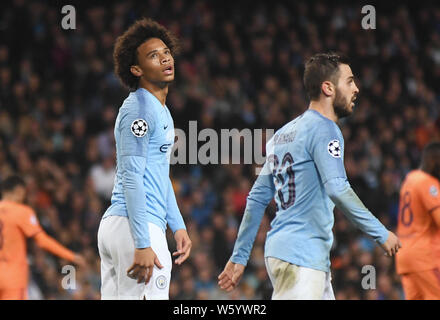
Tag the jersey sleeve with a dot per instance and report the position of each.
(28, 223)
(326, 147)
(174, 217)
(261, 194)
(343, 196)
(135, 128)
(327, 151)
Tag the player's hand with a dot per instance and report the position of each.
(231, 275)
(392, 245)
(143, 265)
(184, 245)
(80, 260)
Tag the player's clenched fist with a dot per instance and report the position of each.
(142, 267)
(392, 245)
(230, 276)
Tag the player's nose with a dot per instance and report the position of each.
(356, 89)
(165, 59)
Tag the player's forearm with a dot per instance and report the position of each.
(257, 201)
(174, 217)
(247, 232)
(343, 196)
(132, 168)
(48, 243)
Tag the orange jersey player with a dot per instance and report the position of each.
(17, 223)
(418, 261)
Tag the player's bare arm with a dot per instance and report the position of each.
(46, 242)
(79, 260)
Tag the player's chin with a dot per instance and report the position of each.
(168, 77)
(168, 80)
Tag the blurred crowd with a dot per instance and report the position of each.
(241, 67)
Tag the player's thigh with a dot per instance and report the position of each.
(311, 284)
(292, 282)
(283, 276)
(109, 279)
(13, 294)
(123, 252)
(328, 290)
(159, 284)
(117, 245)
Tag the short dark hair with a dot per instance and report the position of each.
(432, 149)
(125, 51)
(319, 68)
(11, 182)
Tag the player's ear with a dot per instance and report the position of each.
(136, 71)
(327, 88)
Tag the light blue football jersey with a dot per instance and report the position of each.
(144, 134)
(304, 172)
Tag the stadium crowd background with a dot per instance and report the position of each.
(241, 67)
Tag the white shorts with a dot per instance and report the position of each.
(292, 282)
(116, 249)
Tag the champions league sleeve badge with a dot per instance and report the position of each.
(139, 128)
(334, 148)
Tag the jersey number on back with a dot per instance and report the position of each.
(406, 214)
(280, 179)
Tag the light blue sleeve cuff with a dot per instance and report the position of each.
(142, 243)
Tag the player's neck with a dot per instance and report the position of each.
(429, 171)
(325, 108)
(160, 91)
(10, 198)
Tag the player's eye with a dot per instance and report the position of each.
(154, 55)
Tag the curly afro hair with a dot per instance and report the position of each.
(125, 52)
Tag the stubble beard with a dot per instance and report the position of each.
(341, 106)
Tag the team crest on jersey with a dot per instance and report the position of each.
(161, 282)
(334, 148)
(433, 191)
(33, 220)
(139, 128)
